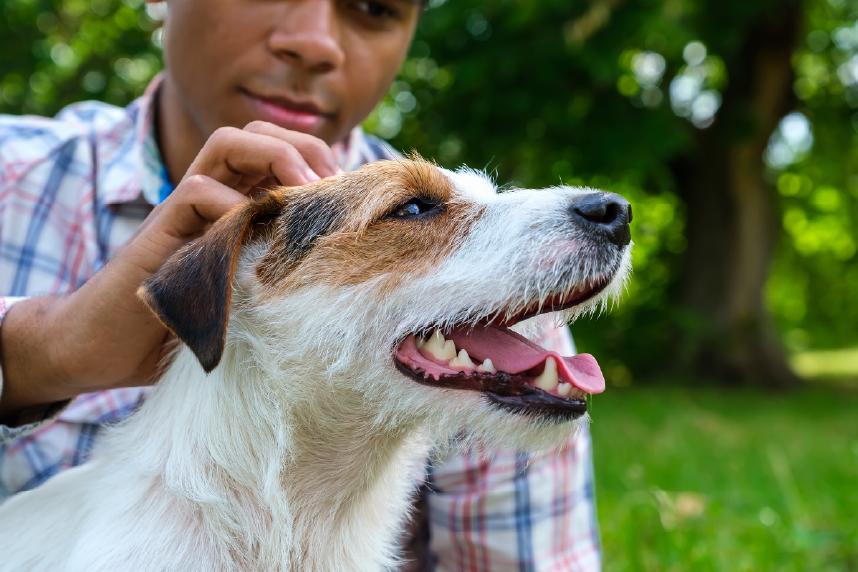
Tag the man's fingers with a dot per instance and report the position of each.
(197, 201)
(231, 156)
(316, 152)
(230, 166)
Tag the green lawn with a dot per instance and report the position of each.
(701, 479)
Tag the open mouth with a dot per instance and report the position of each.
(512, 371)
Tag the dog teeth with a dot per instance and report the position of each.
(462, 360)
(434, 346)
(487, 366)
(439, 348)
(449, 350)
(564, 389)
(547, 380)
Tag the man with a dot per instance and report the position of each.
(253, 94)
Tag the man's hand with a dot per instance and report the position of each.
(102, 336)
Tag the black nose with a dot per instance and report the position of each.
(605, 213)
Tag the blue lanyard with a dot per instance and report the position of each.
(166, 186)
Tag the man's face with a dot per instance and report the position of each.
(317, 66)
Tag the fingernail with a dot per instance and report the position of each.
(311, 175)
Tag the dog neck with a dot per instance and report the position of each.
(317, 484)
(345, 477)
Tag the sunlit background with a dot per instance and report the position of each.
(728, 439)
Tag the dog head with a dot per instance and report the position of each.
(399, 283)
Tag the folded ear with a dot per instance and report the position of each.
(192, 291)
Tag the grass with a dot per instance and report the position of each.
(829, 364)
(700, 479)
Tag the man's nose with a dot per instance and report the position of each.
(308, 35)
(606, 214)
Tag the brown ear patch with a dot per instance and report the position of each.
(191, 293)
(390, 250)
(354, 240)
(311, 213)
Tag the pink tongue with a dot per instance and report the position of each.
(513, 353)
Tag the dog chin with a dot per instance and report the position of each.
(465, 418)
(481, 423)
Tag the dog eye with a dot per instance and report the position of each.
(414, 208)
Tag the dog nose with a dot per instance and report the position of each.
(605, 213)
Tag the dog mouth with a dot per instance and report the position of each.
(511, 371)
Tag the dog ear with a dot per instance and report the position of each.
(192, 291)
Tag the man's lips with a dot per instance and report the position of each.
(295, 115)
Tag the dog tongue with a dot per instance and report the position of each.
(514, 353)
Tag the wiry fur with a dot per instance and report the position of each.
(299, 451)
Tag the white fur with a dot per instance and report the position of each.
(301, 449)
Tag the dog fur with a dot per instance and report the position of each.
(300, 448)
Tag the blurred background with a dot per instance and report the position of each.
(728, 439)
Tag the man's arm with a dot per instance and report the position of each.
(27, 322)
(102, 336)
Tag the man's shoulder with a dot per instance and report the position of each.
(30, 139)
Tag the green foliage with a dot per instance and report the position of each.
(592, 94)
(56, 52)
(812, 289)
(703, 480)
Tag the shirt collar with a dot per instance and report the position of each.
(128, 168)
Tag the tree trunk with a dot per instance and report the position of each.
(732, 216)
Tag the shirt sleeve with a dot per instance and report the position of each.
(508, 510)
(28, 420)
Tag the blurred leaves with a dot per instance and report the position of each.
(607, 94)
(56, 52)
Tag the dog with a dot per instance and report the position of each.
(333, 334)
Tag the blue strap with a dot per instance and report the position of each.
(166, 186)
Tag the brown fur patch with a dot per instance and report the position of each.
(359, 243)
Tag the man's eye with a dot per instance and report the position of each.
(374, 9)
(414, 208)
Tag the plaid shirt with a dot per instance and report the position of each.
(73, 189)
